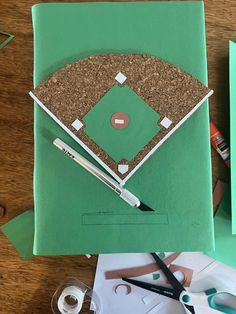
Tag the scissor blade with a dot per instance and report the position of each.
(189, 309)
(167, 292)
(169, 275)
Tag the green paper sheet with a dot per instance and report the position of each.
(162, 255)
(225, 219)
(121, 143)
(175, 181)
(155, 276)
(20, 231)
(232, 83)
(9, 37)
(225, 242)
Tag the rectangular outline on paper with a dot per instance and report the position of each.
(124, 219)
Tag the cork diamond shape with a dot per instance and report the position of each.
(121, 122)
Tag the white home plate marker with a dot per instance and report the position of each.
(119, 121)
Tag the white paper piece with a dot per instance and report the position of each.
(120, 78)
(155, 309)
(140, 301)
(119, 121)
(77, 124)
(123, 168)
(166, 122)
(179, 276)
(149, 298)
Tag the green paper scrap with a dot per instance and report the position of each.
(232, 82)
(20, 231)
(121, 143)
(225, 242)
(7, 40)
(175, 180)
(155, 276)
(161, 255)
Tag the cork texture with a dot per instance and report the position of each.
(71, 92)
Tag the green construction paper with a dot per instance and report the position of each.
(225, 218)
(161, 255)
(232, 82)
(20, 231)
(7, 40)
(225, 242)
(156, 276)
(121, 143)
(175, 180)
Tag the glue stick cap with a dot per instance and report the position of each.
(213, 129)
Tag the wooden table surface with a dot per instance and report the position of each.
(27, 286)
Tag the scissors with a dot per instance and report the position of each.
(189, 300)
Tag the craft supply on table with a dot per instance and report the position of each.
(73, 297)
(7, 38)
(131, 299)
(20, 231)
(225, 217)
(163, 181)
(189, 300)
(220, 144)
(100, 175)
(124, 297)
(139, 271)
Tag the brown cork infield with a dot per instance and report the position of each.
(120, 107)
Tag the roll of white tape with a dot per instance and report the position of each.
(71, 300)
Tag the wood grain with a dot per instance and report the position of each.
(27, 287)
